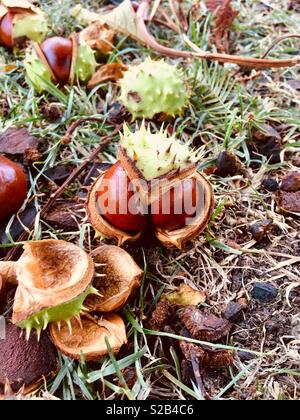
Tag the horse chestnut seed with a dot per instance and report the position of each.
(58, 52)
(176, 206)
(118, 203)
(6, 30)
(13, 187)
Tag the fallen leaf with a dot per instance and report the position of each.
(57, 174)
(19, 6)
(212, 5)
(63, 216)
(7, 68)
(265, 132)
(204, 326)
(109, 72)
(122, 19)
(15, 141)
(233, 309)
(185, 296)
(99, 37)
(225, 16)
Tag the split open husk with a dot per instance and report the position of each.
(178, 238)
(39, 52)
(29, 22)
(52, 277)
(117, 275)
(158, 185)
(88, 337)
(100, 224)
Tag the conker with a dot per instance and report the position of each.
(58, 53)
(13, 187)
(6, 30)
(116, 203)
(170, 212)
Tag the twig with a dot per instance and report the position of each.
(197, 374)
(77, 171)
(151, 42)
(67, 138)
(278, 40)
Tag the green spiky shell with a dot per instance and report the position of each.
(154, 87)
(34, 27)
(63, 312)
(86, 64)
(156, 154)
(37, 73)
(39, 76)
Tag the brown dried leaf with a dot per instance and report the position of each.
(109, 72)
(185, 296)
(63, 215)
(122, 19)
(6, 68)
(99, 37)
(225, 16)
(15, 141)
(212, 5)
(203, 326)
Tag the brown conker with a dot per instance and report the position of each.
(13, 187)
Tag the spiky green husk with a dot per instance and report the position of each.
(64, 312)
(86, 64)
(156, 154)
(34, 27)
(37, 74)
(154, 87)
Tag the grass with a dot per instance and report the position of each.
(226, 107)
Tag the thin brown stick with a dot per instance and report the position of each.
(197, 374)
(278, 40)
(77, 171)
(151, 42)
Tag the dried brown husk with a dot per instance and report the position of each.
(50, 273)
(100, 224)
(75, 44)
(204, 326)
(178, 238)
(99, 37)
(158, 185)
(115, 280)
(211, 358)
(19, 6)
(88, 337)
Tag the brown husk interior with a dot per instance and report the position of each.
(88, 339)
(50, 273)
(122, 276)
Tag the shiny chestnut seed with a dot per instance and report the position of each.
(6, 31)
(13, 187)
(177, 206)
(58, 52)
(118, 203)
